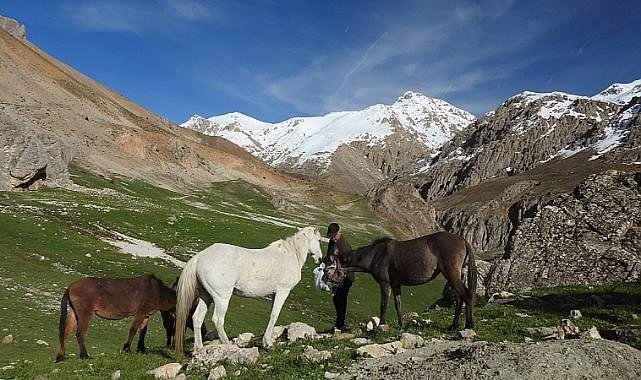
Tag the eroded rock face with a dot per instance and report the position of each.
(518, 137)
(30, 158)
(589, 237)
(13, 27)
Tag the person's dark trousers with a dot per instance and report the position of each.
(340, 302)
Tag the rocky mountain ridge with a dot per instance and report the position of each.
(380, 142)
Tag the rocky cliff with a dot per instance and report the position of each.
(588, 237)
(510, 166)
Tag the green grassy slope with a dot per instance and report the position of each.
(53, 237)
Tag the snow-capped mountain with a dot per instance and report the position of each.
(620, 93)
(531, 129)
(297, 141)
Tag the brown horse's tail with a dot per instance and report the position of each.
(185, 292)
(472, 271)
(62, 325)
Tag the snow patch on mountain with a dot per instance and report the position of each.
(620, 93)
(431, 121)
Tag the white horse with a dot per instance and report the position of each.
(222, 269)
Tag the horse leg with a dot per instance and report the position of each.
(141, 338)
(197, 319)
(277, 305)
(396, 290)
(169, 323)
(70, 325)
(385, 292)
(135, 324)
(221, 302)
(458, 307)
(460, 293)
(83, 319)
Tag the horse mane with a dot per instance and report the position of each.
(381, 240)
(375, 245)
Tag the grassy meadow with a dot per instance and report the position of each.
(52, 237)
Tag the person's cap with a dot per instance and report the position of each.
(332, 229)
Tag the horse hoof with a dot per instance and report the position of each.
(60, 358)
(84, 356)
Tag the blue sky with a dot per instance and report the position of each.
(273, 60)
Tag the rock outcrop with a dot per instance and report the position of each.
(591, 236)
(31, 158)
(13, 27)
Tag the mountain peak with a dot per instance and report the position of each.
(620, 93)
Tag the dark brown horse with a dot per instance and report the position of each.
(113, 298)
(169, 320)
(393, 263)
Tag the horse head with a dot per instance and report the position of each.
(313, 237)
(333, 273)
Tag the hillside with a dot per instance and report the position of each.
(51, 115)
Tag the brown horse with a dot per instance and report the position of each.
(113, 298)
(393, 263)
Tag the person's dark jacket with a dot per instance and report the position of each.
(341, 247)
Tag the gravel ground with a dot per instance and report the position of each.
(558, 359)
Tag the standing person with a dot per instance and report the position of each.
(339, 246)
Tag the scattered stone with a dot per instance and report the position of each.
(212, 354)
(243, 339)
(168, 371)
(522, 315)
(372, 324)
(115, 375)
(42, 342)
(382, 328)
(500, 297)
(591, 333)
(541, 331)
(299, 330)
(278, 332)
(420, 322)
(181, 376)
(411, 341)
(361, 341)
(380, 350)
(312, 355)
(8, 339)
(331, 375)
(575, 314)
(567, 330)
(217, 373)
(467, 334)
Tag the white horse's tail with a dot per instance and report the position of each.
(185, 293)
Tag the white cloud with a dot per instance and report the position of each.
(133, 16)
(435, 55)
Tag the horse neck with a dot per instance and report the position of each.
(360, 258)
(298, 248)
(167, 297)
